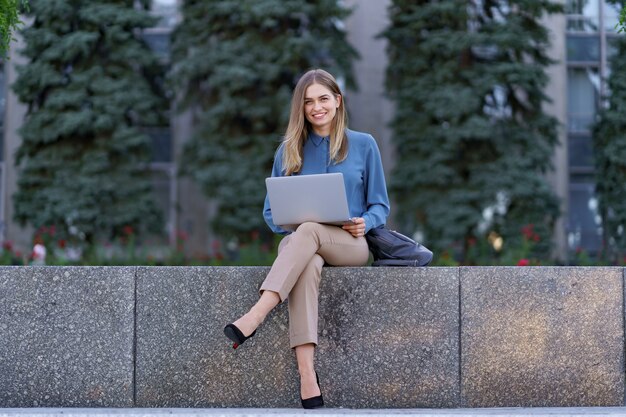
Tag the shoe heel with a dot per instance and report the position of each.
(234, 334)
(314, 402)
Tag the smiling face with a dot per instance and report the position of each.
(320, 107)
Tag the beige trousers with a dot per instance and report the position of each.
(296, 272)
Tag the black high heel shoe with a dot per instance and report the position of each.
(233, 333)
(314, 402)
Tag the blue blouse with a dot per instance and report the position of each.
(362, 171)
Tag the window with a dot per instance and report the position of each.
(2, 105)
(164, 193)
(2, 173)
(158, 37)
(584, 230)
(611, 16)
(159, 41)
(583, 48)
(163, 165)
(167, 11)
(161, 144)
(582, 15)
(580, 153)
(611, 46)
(587, 48)
(583, 85)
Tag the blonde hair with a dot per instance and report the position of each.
(299, 127)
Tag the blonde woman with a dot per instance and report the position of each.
(317, 141)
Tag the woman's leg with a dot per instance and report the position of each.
(268, 300)
(308, 381)
(303, 305)
(295, 253)
(337, 247)
(303, 317)
(332, 243)
(251, 320)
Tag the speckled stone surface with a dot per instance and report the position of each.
(388, 338)
(183, 357)
(66, 336)
(542, 336)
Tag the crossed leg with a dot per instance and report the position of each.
(296, 275)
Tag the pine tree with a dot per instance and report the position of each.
(91, 86)
(9, 22)
(236, 62)
(609, 140)
(472, 141)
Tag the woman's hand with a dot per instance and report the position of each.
(356, 228)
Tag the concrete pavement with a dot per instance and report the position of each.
(335, 412)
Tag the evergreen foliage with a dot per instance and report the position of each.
(609, 140)
(621, 27)
(91, 86)
(9, 22)
(472, 142)
(236, 63)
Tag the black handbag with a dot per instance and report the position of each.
(391, 248)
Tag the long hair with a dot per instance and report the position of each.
(299, 126)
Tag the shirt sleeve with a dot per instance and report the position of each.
(376, 196)
(267, 211)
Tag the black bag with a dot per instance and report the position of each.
(391, 248)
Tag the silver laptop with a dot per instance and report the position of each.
(319, 198)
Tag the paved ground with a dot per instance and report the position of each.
(284, 412)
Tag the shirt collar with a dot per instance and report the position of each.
(316, 139)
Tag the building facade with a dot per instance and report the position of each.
(590, 32)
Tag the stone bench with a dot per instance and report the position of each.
(389, 338)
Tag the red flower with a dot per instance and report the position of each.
(528, 231)
(7, 245)
(202, 258)
(523, 262)
(61, 243)
(128, 230)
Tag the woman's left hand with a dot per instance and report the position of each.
(356, 228)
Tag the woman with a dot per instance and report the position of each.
(317, 141)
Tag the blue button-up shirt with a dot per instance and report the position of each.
(362, 171)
